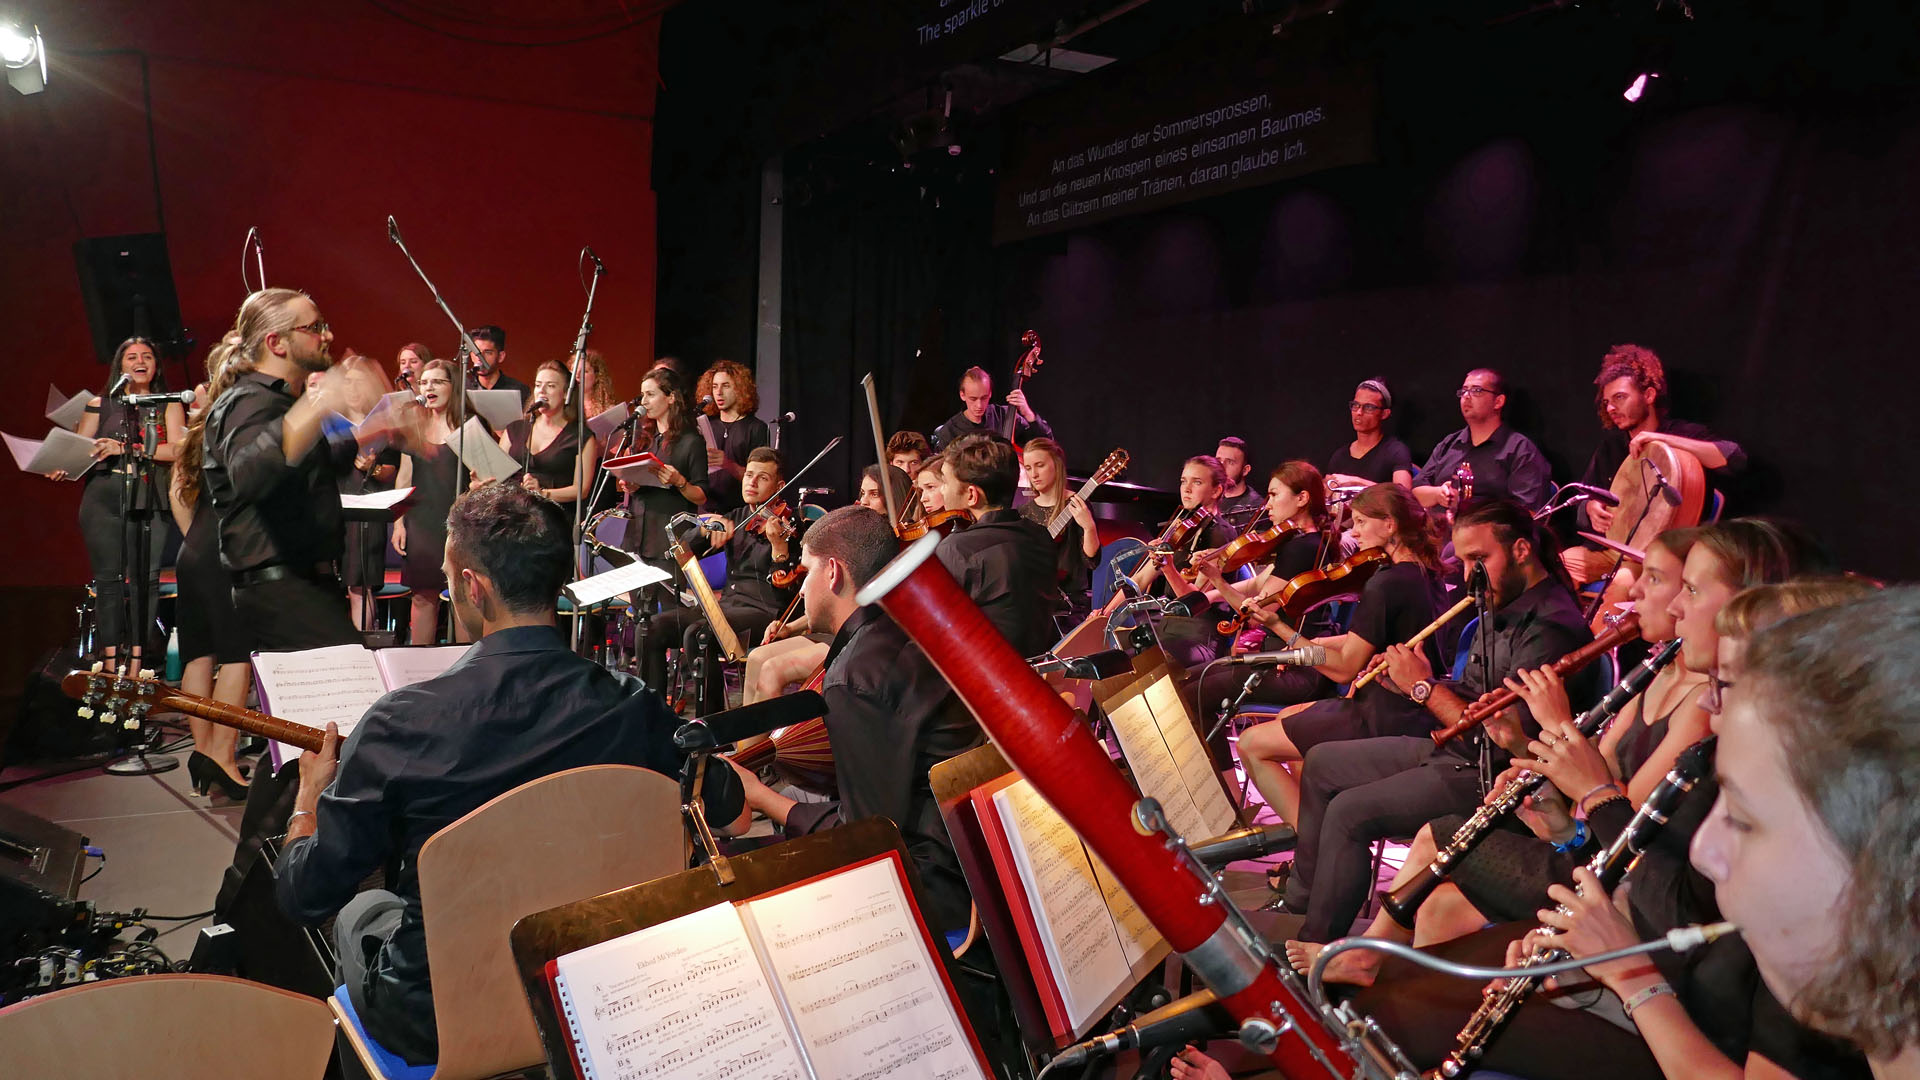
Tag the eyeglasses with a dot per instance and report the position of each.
(1362, 407)
(1469, 391)
(1714, 697)
(318, 328)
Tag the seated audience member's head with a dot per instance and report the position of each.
(979, 472)
(508, 554)
(1811, 844)
(842, 552)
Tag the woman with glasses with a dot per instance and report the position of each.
(433, 471)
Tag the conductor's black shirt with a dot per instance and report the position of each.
(272, 512)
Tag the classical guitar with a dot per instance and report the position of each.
(109, 696)
(1115, 464)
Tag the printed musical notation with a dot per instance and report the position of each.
(852, 989)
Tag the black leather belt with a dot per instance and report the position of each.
(319, 573)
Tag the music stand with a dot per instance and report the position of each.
(354, 513)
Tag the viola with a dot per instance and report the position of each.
(944, 522)
(1304, 592)
(1257, 544)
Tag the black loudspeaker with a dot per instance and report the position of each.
(40, 865)
(127, 283)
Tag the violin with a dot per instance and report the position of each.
(1309, 590)
(787, 579)
(1257, 544)
(757, 521)
(1181, 529)
(944, 522)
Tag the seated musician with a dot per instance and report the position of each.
(874, 499)
(1078, 545)
(890, 714)
(1373, 457)
(1240, 505)
(927, 483)
(1395, 604)
(749, 602)
(518, 706)
(1707, 1013)
(1202, 479)
(1354, 791)
(1505, 463)
(908, 451)
(980, 416)
(1003, 560)
(1631, 395)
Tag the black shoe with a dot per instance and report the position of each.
(207, 774)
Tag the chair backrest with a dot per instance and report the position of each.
(561, 838)
(1464, 648)
(152, 1027)
(714, 567)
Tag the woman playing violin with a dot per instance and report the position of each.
(1195, 527)
(1395, 604)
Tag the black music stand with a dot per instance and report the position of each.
(368, 515)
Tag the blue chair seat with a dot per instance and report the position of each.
(392, 591)
(714, 567)
(392, 1066)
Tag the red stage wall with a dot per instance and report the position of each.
(314, 121)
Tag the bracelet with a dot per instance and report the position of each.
(297, 813)
(1580, 808)
(1646, 995)
(1575, 842)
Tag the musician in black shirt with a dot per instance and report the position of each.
(748, 602)
(1505, 463)
(1240, 504)
(891, 716)
(487, 369)
(1053, 507)
(981, 417)
(517, 707)
(1004, 560)
(1373, 457)
(727, 395)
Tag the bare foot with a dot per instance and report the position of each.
(1354, 967)
(1191, 1064)
(1302, 954)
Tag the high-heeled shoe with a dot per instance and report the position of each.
(207, 774)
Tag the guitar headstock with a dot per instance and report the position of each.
(1030, 361)
(1115, 464)
(114, 695)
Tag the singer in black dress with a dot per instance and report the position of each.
(363, 570)
(554, 465)
(665, 430)
(435, 473)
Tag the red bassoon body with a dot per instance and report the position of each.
(1050, 746)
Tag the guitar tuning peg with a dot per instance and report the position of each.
(84, 712)
(98, 667)
(131, 723)
(148, 675)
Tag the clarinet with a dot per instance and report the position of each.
(1402, 903)
(1611, 867)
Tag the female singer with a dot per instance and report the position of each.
(1810, 846)
(364, 569)
(1078, 545)
(666, 430)
(112, 426)
(555, 464)
(1395, 604)
(433, 471)
(413, 359)
(212, 644)
(596, 384)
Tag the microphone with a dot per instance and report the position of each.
(784, 418)
(393, 229)
(1304, 656)
(706, 401)
(1477, 584)
(119, 384)
(1250, 842)
(533, 410)
(599, 268)
(1660, 484)
(761, 717)
(1101, 665)
(806, 491)
(1597, 494)
(1194, 1018)
(184, 397)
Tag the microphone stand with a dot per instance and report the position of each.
(576, 387)
(138, 500)
(467, 350)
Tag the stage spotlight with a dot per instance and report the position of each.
(24, 56)
(1638, 87)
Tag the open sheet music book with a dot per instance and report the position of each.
(1167, 758)
(339, 683)
(1083, 937)
(831, 979)
(67, 411)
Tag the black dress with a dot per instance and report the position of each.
(1073, 566)
(365, 563)
(436, 481)
(552, 467)
(653, 507)
(207, 623)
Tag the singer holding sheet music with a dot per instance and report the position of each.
(666, 430)
(364, 569)
(433, 471)
(548, 440)
(727, 395)
(103, 524)
(517, 707)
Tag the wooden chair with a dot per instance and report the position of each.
(558, 839)
(156, 1026)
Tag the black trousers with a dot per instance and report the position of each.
(1272, 686)
(105, 533)
(1352, 793)
(685, 628)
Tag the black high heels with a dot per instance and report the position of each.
(207, 774)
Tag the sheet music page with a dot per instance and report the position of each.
(864, 992)
(406, 666)
(376, 500)
(1083, 947)
(619, 580)
(66, 411)
(315, 687)
(603, 425)
(1155, 772)
(61, 449)
(1137, 935)
(481, 453)
(706, 431)
(497, 407)
(1190, 755)
(682, 1000)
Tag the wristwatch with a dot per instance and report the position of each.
(1421, 691)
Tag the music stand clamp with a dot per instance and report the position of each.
(692, 785)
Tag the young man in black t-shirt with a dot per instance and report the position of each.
(1373, 457)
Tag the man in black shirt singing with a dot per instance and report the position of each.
(1005, 561)
(728, 397)
(518, 706)
(981, 417)
(890, 714)
(749, 602)
(1356, 791)
(489, 369)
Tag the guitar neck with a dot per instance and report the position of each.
(247, 720)
(1060, 515)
